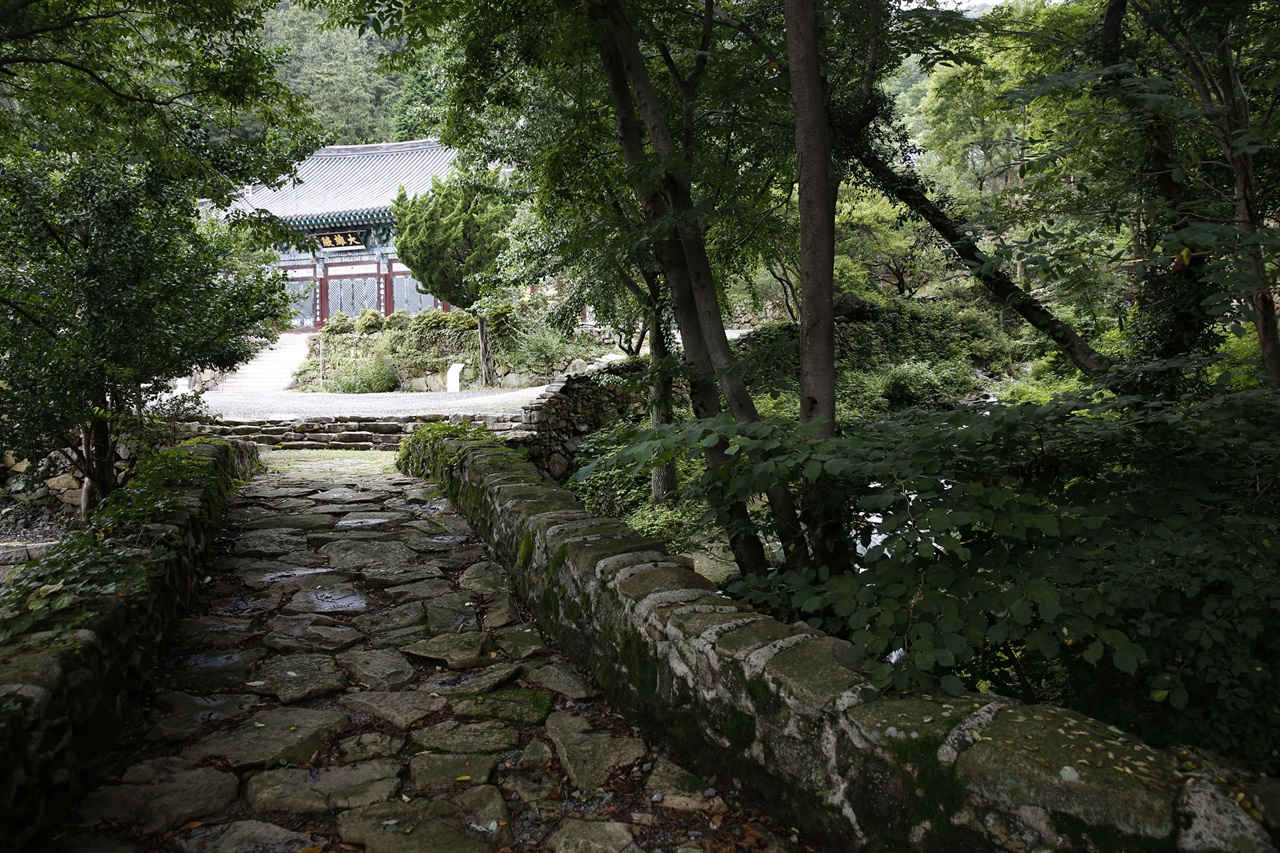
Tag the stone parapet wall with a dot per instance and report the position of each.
(67, 689)
(778, 710)
(571, 408)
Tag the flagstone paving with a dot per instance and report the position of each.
(357, 676)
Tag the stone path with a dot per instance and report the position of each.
(358, 676)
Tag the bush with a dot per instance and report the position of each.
(369, 322)
(397, 321)
(366, 376)
(1124, 548)
(914, 384)
(339, 323)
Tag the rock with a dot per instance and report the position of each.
(290, 579)
(244, 836)
(439, 771)
(310, 633)
(588, 757)
(369, 744)
(483, 577)
(180, 715)
(268, 543)
(210, 672)
(446, 682)
(62, 483)
(561, 678)
(521, 642)
(300, 521)
(1216, 822)
(344, 495)
(362, 554)
(453, 736)
(339, 600)
(399, 709)
(996, 767)
(524, 707)
(379, 669)
(215, 632)
(679, 789)
(161, 794)
(591, 836)
(500, 611)
(485, 811)
(449, 614)
(246, 605)
(431, 588)
(458, 651)
(381, 577)
(270, 737)
(535, 755)
(405, 616)
(325, 789)
(418, 826)
(293, 678)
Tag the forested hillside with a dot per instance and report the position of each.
(337, 70)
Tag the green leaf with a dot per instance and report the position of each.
(951, 684)
(1093, 654)
(1126, 659)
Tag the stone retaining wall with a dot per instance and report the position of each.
(66, 691)
(777, 709)
(571, 408)
(342, 433)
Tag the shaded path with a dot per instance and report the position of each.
(357, 676)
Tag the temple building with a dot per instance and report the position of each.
(343, 202)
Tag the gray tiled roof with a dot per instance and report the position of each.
(348, 183)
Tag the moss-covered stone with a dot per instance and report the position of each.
(815, 672)
(741, 642)
(525, 707)
(1070, 764)
(648, 581)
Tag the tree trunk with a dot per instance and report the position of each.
(828, 532)
(677, 191)
(99, 471)
(488, 374)
(817, 205)
(748, 553)
(662, 479)
(907, 191)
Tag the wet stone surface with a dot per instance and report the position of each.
(330, 691)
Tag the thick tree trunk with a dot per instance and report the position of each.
(99, 457)
(825, 519)
(908, 192)
(677, 191)
(488, 373)
(817, 206)
(748, 553)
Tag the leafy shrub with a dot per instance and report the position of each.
(612, 492)
(366, 376)
(339, 323)
(396, 321)
(669, 522)
(1128, 543)
(369, 322)
(914, 384)
(543, 348)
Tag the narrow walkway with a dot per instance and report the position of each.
(357, 676)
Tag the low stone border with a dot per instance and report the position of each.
(66, 691)
(776, 709)
(342, 433)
